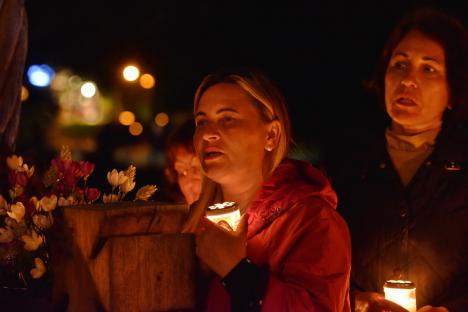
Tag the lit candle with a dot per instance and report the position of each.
(402, 293)
(225, 214)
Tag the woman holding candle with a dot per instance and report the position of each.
(291, 251)
(406, 200)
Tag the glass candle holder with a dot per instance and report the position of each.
(402, 293)
(225, 214)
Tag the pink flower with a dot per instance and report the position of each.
(92, 194)
(86, 168)
(19, 178)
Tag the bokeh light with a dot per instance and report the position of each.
(135, 128)
(24, 93)
(147, 81)
(60, 81)
(131, 73)
(40, 75)
(126, 118)
(88, 89)
(161, 120)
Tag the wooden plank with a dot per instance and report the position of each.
(107, 240)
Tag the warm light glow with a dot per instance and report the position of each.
(88, 89)
(402, 293)
(131, 73)
(225, 214)
(147, 81)
(135, 128)
(60, 81)
(161, 120)
(24, 94)
(126, 118)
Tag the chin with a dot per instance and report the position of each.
(215, 172)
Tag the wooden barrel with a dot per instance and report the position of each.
(125, 257)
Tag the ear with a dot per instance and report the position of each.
(273, 135)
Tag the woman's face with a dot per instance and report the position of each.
(230, 136)
(416, 87)
(189, 177)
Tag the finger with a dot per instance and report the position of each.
(391, 306)
(242, 226)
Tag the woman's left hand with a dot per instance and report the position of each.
(219, 248)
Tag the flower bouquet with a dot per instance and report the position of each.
(27, 218)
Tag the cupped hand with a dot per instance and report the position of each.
(220, 249)
(374, 302)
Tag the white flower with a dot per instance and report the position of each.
(6, 235)
(16, 191)
(127, 186)
(48, 203)
(29, 171)
(43, 221)
(14, 162)
(17, 211)
(116, 178)
(39, 268)
(110, 198)
(70, 200)
(32, 242)
(145, 192)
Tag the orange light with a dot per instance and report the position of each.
(126, 118)
(24, 94)
(135, 128)
(147, 81)
(161, 120)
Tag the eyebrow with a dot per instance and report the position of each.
(426, 58)
(219, 111)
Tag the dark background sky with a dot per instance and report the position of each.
(319, 52)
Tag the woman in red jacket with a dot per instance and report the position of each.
(291, 251)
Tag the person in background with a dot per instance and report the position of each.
(405, 199)
(291, 250)
(13, 50)
(182, 169)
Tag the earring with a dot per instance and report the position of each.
(269, 148)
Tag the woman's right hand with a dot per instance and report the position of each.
(221, 249)
(374, 302)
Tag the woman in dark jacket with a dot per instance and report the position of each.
(406, 200)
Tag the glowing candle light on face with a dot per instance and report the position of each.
(402, 293)
(225, 214)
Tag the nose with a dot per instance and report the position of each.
(409, 81)
(210, 133)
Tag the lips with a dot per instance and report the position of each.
(405, 101)
(212, 153)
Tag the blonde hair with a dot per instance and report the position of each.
(271, 105)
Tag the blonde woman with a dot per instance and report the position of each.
(291, 251)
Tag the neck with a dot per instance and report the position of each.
(242, 192)
(415, 129)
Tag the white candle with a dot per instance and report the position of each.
(225, 214)
(402, 293)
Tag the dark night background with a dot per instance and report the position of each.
(319, 53)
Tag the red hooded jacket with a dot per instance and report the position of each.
(294, 230)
